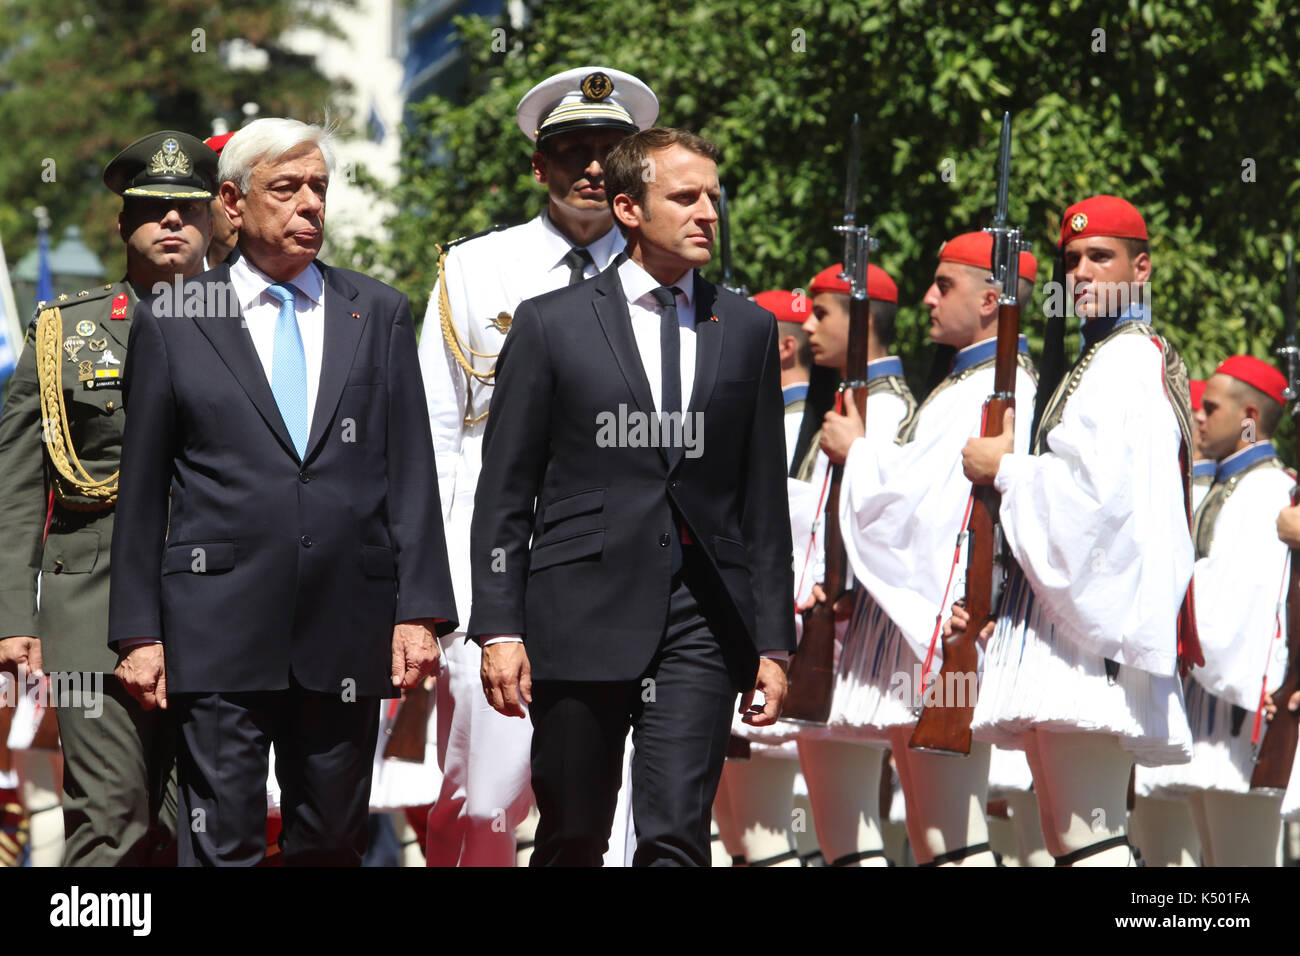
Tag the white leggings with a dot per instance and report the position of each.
(760, 792)
(1164, 832)
(844, 789)
(1082, 784)
(1238, 829)
(946, 800)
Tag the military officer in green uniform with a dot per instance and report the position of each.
(60, 446)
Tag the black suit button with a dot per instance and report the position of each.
(305, 541)
(663, 540)
(304, 477)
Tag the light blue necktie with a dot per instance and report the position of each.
(289, 369)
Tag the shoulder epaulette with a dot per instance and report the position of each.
(66, 301)
(457, 242)
(90, 295)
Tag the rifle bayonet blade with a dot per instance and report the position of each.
(851, 177)
(1290, 351)
(850, 199)
(724, 238)
(1288, 307)
(1004, 170)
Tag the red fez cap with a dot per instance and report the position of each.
(879, 286)
(786, 306)
(976, 249)
(1253, 371)
(1198, 389)
(1103, 216)
(215, 143)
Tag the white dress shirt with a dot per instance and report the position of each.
(261, 310)
(644, 309)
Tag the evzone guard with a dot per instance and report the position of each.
(1082, 669)
(1239, 574)
(901, 513)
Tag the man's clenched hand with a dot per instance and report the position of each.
(143, 672)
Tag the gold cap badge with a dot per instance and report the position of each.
(1078, 222)
(597, 86)
(170, 160)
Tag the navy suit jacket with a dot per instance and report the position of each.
(250, 564)
(590, 592)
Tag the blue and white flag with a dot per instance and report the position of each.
(11, 327)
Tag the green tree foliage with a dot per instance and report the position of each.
(80, 79)
(1160, 102)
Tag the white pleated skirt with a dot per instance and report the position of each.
(875, 669)
(1220, 760)
(1036, 678)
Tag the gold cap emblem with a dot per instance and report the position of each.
(1078, 222)
(597, 86)
(170, 160)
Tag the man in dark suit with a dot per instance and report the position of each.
(300, 573)
(636, 436)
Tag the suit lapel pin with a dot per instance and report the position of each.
(356, 315)
(713, 318)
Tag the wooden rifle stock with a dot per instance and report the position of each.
(410, 731)
(1277, 749)
(812, 671)
(945, 724)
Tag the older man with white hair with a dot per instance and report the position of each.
(279, 564)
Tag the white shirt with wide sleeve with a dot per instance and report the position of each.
(1097, 522)
(901, 507)
(1239, 585)
(885, 412)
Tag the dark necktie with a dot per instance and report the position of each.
(670, 352)
(577, 260)
(670, 399)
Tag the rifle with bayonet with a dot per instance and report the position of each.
(724, 245)
(945, 726)
(811, 676)
(1275, 749)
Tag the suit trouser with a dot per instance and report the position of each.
(680, 714)
(119, 780)
(324, 753)
(486, 787)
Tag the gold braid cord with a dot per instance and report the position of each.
(458, 347)
(54, 415)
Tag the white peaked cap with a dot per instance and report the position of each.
(583, 97)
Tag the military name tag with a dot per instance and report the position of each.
(105, 378)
